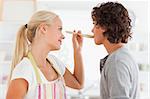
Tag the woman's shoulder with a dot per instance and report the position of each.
(57, 64)
(24, 63)
(23, 70)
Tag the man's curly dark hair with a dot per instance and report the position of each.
(114, 18)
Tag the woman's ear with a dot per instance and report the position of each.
(43, 28)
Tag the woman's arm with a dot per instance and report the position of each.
(76, 80)
(17, 89)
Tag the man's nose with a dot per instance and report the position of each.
(92, 30)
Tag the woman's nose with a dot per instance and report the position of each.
(63, 37)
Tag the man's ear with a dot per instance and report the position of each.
(43, 28)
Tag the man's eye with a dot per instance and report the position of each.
(94, 22)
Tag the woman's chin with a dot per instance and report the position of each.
(55, 48)
(58, 48)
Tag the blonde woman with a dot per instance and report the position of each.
(37, 75)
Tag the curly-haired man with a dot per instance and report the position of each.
(119, 72)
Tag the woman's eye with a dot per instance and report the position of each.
(60, 29)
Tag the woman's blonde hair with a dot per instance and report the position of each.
(26, 34)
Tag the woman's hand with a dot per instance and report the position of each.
(76, 80)
(77, 40)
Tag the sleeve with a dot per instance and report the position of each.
(24, 71)
(57, 64)
(118, 78)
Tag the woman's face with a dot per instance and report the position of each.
(54, 35)
(98, 34)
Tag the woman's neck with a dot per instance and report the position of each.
(39, 53)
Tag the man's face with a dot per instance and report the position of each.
(98, 34)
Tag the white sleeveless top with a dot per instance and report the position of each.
(41, 89)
